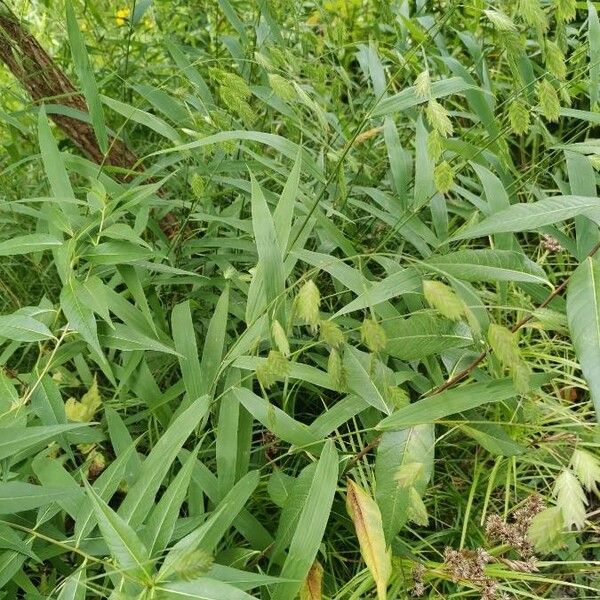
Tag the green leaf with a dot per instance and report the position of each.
(396, 450)
(184, 336)
(80, 316)
(24, 244)
(125, 547)
(360, 381)
(53, 163)
(86, 77)
(311, 524)
(397, 284)
(18, 439)
(208, 535)
(409, 97)
(583, 312)
(204, 588)
(74, 587)
(452, 401)
(105, 486)
(275, 420)
(270, 255)
(163, 517)
(424, 334)
(489, 265)
(17, 496)
(22, 328)
(527, 217)
(140, 497)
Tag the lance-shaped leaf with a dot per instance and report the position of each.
(369, 529)
(126, 548)
(583, 312)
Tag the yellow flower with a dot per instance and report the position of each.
(122, 16)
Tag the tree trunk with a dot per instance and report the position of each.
(45, 81)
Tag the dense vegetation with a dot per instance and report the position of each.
(314, 313)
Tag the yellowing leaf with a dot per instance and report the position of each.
(369, 529)
(311, 588)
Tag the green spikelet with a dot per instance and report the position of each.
(198, 185)
(396, 396)
(519, 117)
(549, 104)
(234, 92)
(282, 87)
(532, 13)
(504, 344)
(500, 21)
(280, 338)
(443, 177)
(555, 61)
(331, 334)
(307, 303)
(192, 565)
(423, 84)
(335, 369)
(434, 145)
(275, 367)
(566, 10)
(373, 335)
(441, 297)
(438, 119)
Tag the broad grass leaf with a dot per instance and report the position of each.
(424, 334)
(53, 164)
(18, 439)
(396, 450)
(162, 519)
(204, 588)
(284, 211)
(79, 314)
(74, 586)
(214, 344)
(25, 244)
(270, 255)
(18, 496)
(275, 420)
(409, 97)
(86, 77)
(493, 438)
(311, 524)
(22, 328)
(123, 337)
(452, 401)
(143, 118)
(583, 312)
(366, 517)
(397, 284)
(360, 381)
(208, 535)
(184, 336)
(528, 217)
(489, 266)
(105, 486)
(126, 548)
(140, 497)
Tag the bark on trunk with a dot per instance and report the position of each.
(45, 81)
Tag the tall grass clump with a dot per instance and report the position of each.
(299, 300)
